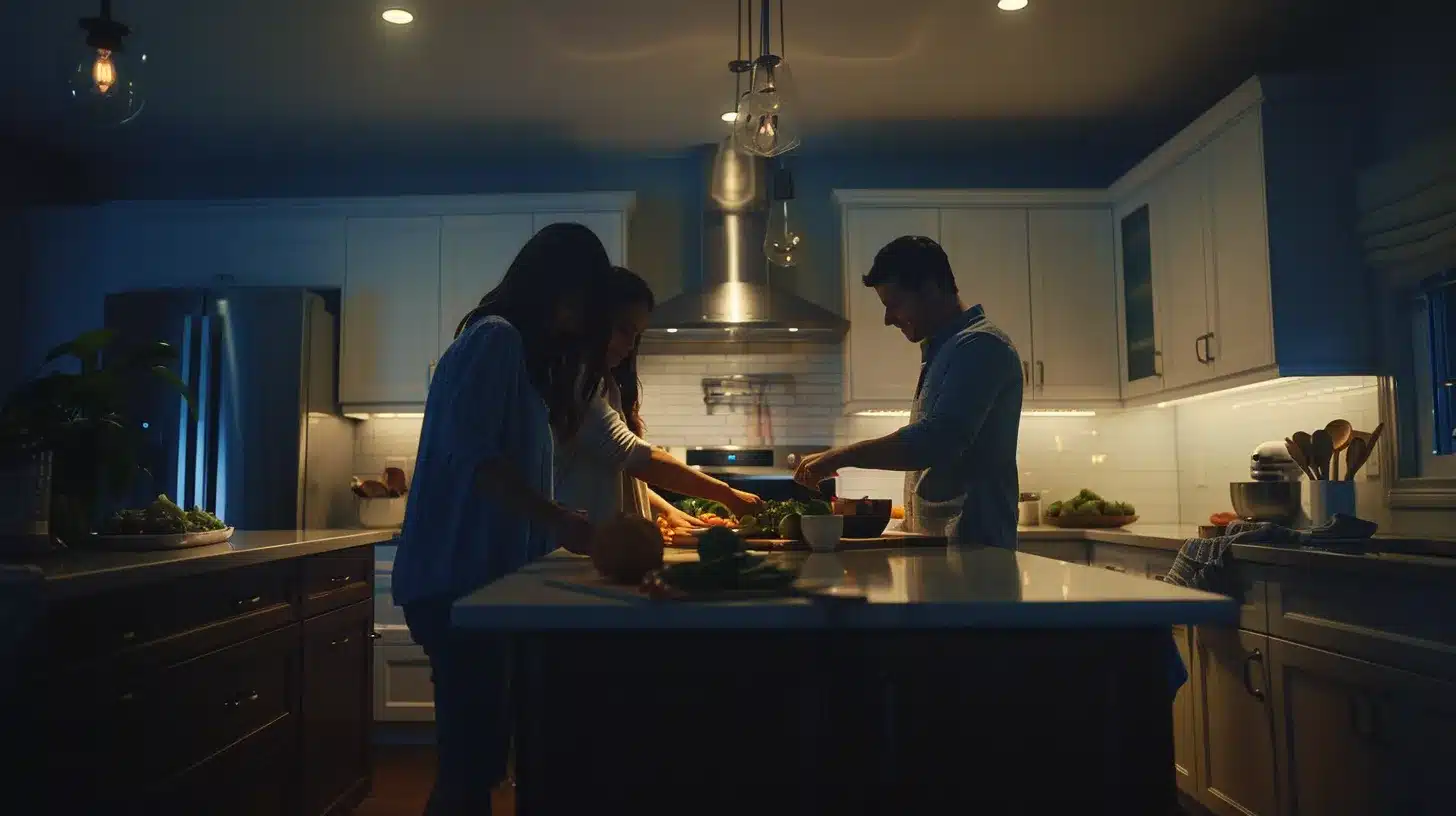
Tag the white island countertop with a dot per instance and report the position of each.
(931, 588)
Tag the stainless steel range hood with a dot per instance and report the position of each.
(735, 301)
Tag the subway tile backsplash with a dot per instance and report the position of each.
(1173, 463)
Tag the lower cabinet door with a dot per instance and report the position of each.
(1360, 739)
(1185, 722)
(254, 777)
(1236, 755)
(338, 708)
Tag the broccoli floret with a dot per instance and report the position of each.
(1055, 509)
(1088, 496)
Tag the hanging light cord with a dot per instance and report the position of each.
(764, 16)
(783, 47)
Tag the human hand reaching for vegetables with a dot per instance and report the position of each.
(742, 504)
(677, 519)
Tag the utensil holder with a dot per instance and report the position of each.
(1328, 498)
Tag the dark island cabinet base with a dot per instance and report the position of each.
(252, 698)
(902, 723)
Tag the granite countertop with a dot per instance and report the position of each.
(1388, 555)
(903, 588)
(76, 571)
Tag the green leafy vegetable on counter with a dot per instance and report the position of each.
(1088, 503)
(162, 517)
(698, 507)
(722, 567)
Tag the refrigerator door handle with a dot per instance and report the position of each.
(184, 413)
(200, 481)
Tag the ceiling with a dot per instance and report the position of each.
(641, 75)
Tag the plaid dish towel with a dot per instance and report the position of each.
(1204, 563)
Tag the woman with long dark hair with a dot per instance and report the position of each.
(606, 468)
(522, 366)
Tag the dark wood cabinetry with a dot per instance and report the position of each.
(1335, 695)
(242, 691)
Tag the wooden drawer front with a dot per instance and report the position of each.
(224, 696)
(337, 704)
(168, 622)
(1407, 626)
(338, 579)
(255, 777)
(1117, 558)
(105, 734)
(1073, 551)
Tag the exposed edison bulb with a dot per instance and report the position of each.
(103, 71)
(781, 241)
(765, 125)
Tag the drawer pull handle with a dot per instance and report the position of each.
(247, 602)
(340, 642)
(1253, 657)
(376, 635)
(128, 636)
(250, 697)
(340, 580)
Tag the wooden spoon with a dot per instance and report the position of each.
(1355, 457)
(1297, 454)
(1322, 447)
(1306, 446)
(1340, 432)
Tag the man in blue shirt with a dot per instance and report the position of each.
(959, 450)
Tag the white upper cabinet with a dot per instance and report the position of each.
(1241, 222)
(881, 367)
(1073, 306)
(988, 253)
(1241, 314)
(475, 251)
(1041, 263)
(1181, 273)
(611, 227)
(391, 305)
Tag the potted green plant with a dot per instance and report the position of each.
(71, 422)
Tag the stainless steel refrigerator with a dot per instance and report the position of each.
(263, 446)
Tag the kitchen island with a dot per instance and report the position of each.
(953, 675)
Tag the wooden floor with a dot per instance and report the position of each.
(403, 775)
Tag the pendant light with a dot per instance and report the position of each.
(106, 83)
(734, 184)
(768, 112)
(781, 241)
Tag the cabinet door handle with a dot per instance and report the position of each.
(1255, 656)
(1025, 373)
(430, 373)
(250, 697)
(1198, 348)
(1040, 374)
(247, 602)
(1157, 363)
(1208, 347)
(340, 642)
(376, 635)
(340, 580)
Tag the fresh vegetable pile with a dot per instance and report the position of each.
(722, 566)
(1087, 503)
(162, 517)
(778, 519)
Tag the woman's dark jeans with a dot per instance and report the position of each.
(470, 671)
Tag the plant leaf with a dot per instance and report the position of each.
(85, 347)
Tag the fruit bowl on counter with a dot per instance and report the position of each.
(1087, 510)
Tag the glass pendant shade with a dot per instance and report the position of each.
(781, 241)
(768, 112)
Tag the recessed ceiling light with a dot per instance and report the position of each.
(730, 116)
(399, 16)
(1011, 5)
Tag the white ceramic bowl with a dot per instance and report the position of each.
(823, 532)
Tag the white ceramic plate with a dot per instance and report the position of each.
(172, 541)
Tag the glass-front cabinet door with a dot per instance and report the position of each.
(1141, 351)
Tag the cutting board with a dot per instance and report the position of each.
(881, 542)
